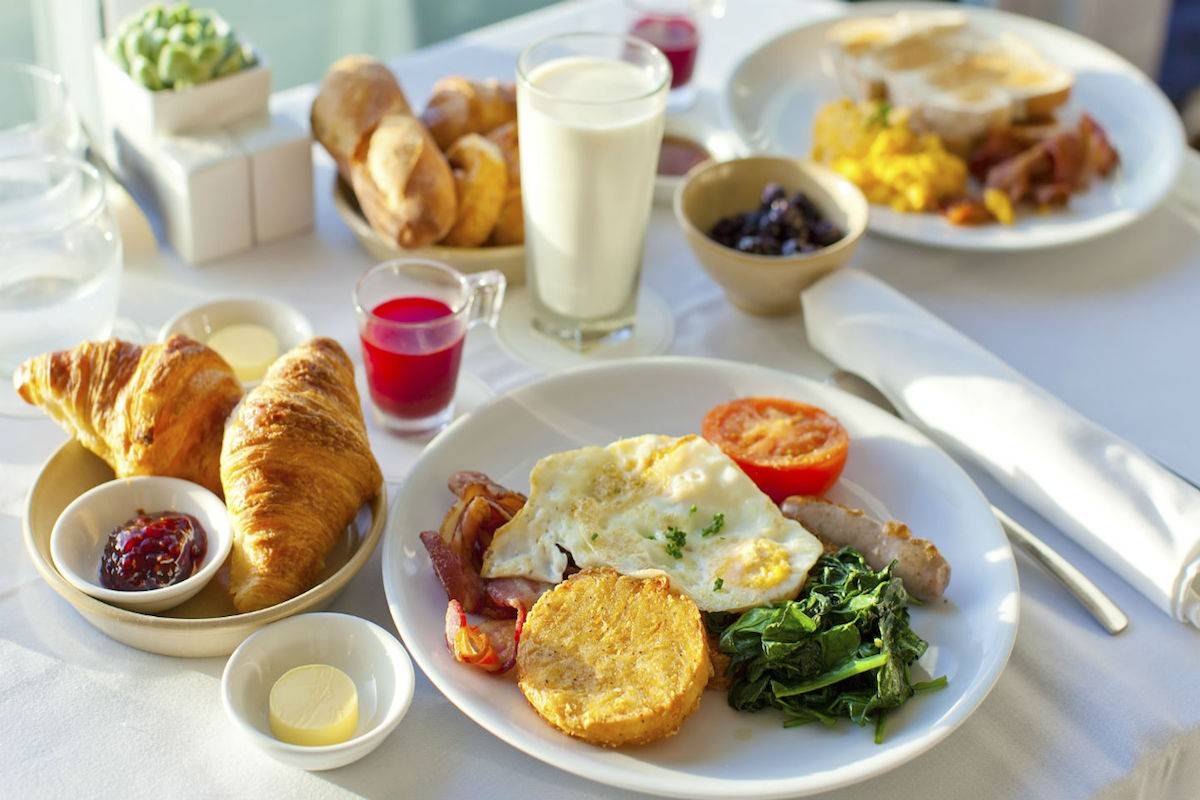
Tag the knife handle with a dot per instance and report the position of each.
(1089, 595)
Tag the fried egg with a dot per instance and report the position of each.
(656, 505)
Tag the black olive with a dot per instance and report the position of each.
(772, 192)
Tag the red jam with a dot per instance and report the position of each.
(678, 155)
(152, 550)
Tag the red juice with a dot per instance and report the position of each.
(678, 39)
(412, 372)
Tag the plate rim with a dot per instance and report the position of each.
(87, 606)
(1117, 219)
(700, 787)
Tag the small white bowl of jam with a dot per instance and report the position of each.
(145, 544)
(248, 332)
(318, 691)
(687, 142)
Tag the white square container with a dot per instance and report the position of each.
(142, 113)
(201, 187)
(281, 174)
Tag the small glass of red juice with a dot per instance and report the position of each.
(413, 315)
(673, 27)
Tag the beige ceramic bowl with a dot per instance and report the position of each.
(509, 259)
(761, 284)
(207, 624)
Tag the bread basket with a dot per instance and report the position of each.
(508, 259)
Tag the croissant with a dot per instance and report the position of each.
(146, 410)
(404, 183)
(459, 106)
(355, 94)
(296, 468)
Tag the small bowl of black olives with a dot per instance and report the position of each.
(766, 227)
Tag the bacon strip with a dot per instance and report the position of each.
(490, 646)
(512, 594)
(458, 577)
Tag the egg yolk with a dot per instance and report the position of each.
(758, 564)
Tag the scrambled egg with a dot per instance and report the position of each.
(873, 146)
(657, 505)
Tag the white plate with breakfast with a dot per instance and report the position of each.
(738, 614)
(966, 127)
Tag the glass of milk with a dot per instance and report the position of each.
(60, 262)
(590, 122)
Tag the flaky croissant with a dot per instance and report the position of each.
(146, 410)
(459, 106)
(296, 467)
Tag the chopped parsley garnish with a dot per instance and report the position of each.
(692, 510)
(880, 115)
(714, 527)
(594, 536)
(676, 539)
(717, 584)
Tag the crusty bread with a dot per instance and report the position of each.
(404, 183)
(355, 94)
(614, 660)
(959, 81)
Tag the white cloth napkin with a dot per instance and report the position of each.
(1114, 500)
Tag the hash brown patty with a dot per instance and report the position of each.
(613, 660)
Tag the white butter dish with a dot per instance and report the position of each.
(380, 668)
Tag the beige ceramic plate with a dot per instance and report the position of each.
(206, 625)
(509, 259)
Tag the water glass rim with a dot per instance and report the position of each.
(628, 40)
(48, 76)
(85, 213)
(456, 311)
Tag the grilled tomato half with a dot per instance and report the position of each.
(786, 447)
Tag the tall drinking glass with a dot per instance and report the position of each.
(35, 117)
(60, 261)
(590, 118)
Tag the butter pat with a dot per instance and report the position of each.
(313, 705)
(249, 349)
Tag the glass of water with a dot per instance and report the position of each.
(35, 117)
(60, 261)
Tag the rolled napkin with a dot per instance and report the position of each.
(1106, 494)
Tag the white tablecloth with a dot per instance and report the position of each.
(1110, 326)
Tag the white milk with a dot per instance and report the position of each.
(587, 180)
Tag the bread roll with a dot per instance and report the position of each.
(404, 183)
(510, 227)
(460, 106)
(355, 94)
(481, 183)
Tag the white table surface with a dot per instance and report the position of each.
(1110, 326)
